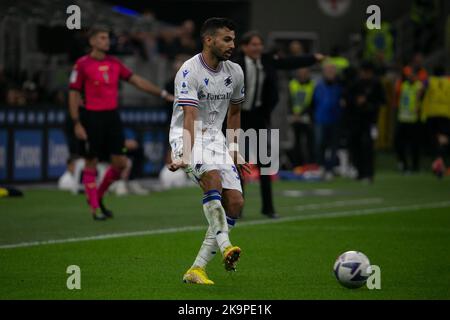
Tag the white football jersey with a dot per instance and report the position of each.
(211, 91)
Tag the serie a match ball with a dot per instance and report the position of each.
(352, 268)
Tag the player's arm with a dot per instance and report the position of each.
(234, 123)
(149, 87)
(190, 115)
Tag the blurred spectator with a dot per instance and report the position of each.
(122, 44)
(169, 43)
(68, 180)
(363, 102)
(408, 133)
(30, 92)
(436, 112)
(186, 38)
(327, 111)
(128, 183)
(15, 97)
(418, 68)
(145, 33)
(338, 59)
(296, 48)
(301, 90)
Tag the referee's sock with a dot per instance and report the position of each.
(112, 174)
(90, 186)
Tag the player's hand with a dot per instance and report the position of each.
(245, 167)
(80, 132)
(240, 162)
(177, 164)
(169, 98)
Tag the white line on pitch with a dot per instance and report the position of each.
(337, 204)
(336, 214)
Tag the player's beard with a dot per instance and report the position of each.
(217, 53)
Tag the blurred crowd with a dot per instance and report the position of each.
(148, 39)
(340, 111)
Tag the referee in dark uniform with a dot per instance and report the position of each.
(261, 83)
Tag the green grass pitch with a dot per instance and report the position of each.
(401, 223)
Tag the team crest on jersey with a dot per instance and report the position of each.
(206, 81)
(228, 81)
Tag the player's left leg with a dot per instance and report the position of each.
(232, 202)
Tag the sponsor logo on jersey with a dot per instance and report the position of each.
(220, 96)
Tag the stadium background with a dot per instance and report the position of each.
(37, 52)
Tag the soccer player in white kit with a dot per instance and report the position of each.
(208, 89)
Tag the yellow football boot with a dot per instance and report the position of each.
(231, 257)
(197, 275)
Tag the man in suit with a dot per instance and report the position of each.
(260, 73)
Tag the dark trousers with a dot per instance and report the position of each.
(361, 147)
(407, 143)
(326, 139)
(255, 120)
(137, 157)
(303, 148)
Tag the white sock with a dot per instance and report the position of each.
(215, 214)
(209, 246)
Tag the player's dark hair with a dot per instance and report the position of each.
(96, 30)
(248, 36)
(211, 25)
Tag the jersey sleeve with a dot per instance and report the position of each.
(238, 95)
(124, 72)
(77, 77)
(186, 89)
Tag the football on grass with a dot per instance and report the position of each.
(352, 268)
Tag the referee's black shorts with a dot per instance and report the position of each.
(105, 134)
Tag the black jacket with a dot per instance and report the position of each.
(260, 118)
